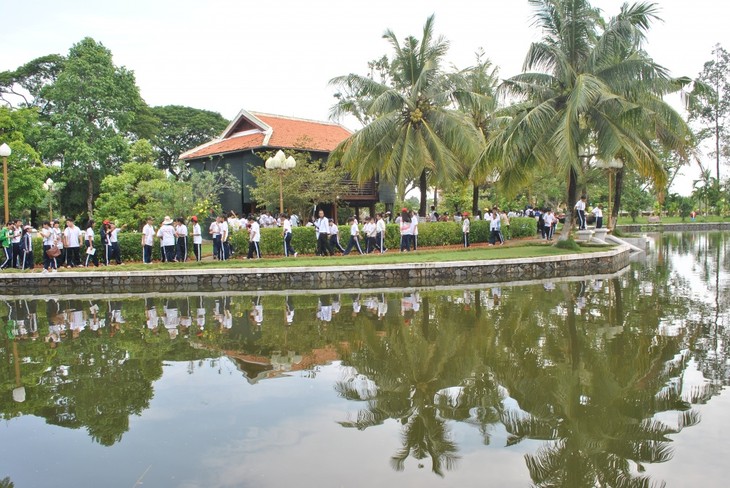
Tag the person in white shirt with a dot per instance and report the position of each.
(225, 251)
(495, 229)
(58, 240)
(549, 221)
(370, 231)
(167, 239)
(380, 229)
(334, 237)
(72, 236)
(49, 239)
(465, 228)
(580, 209)
(414, 230)
(91, 256)
(322, 226)
(294, 219)
(215, 234)
(598, 214)
(406, 232)
(287, 234)
(15, 243)
(354, 237)
(197, 239)
(115, 251)
(148, 238)
(254, 238)
(181, 240)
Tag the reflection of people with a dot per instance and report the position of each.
(289, 314)
(153, 320)
(382, 307)
(355, 305)
(324, 308)
(257, 313)
(171, 319)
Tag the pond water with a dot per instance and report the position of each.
(586, 382)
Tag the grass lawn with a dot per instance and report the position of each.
(514, 249)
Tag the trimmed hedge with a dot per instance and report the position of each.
(430, 234)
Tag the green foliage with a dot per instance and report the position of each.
(180, 129)
(25, 172)
(523, 227)
(91, 104)
(568, 244)
(309, 182)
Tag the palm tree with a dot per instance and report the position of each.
(474, 91)
(581, 98)
(414, 134)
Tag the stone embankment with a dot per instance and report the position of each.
(318, 277)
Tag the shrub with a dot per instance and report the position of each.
(523, 227)
(568, 244)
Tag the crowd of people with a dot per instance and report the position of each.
(72, 247)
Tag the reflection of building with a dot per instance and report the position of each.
(250, 132)
(256, 368)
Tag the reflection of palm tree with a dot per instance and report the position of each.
(410, 367)
(595, 406)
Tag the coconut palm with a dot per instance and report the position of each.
(414, 133)
(474, 91)
(581, 98)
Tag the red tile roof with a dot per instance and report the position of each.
(286, 132)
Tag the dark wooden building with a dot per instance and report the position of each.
(250, 132)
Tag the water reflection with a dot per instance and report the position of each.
(602, 372)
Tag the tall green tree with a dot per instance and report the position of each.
(711, 108)
(26, 174)
(92, 104)
(414, 133)
(588, 92)
(475, 91)
(180, 129)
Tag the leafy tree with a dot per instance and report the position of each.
(180, 129)
(92, 104)
(711, 108)
(23, 87)
(308, 183)
(636, 198)
(26, 174)
(414, 133)
(593, 94)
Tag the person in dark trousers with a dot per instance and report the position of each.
(197, 239)
(91, 252)
(287, 234)
(580, 209)
(354, 237)
(322, 227)
(254, 238)
(26, 248)
(181, 236)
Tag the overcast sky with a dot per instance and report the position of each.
(277, 56)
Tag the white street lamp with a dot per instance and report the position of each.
(48, 186)
(280, 163)
(4, 153)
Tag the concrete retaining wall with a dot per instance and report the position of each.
(691, 227)
(320, 277)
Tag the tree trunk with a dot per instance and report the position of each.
(435, 198)
(475, 199)
(617, 189)
(572, 190)
(90, 190)
(423, 186)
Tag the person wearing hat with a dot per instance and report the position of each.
(181, 237)
(26, 248)
(197, 239)
(167, 239)
(465, 228)
(148, 239)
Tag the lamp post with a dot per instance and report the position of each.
(611, 167)
(280, 163)
(4, 153)
(48, 186)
